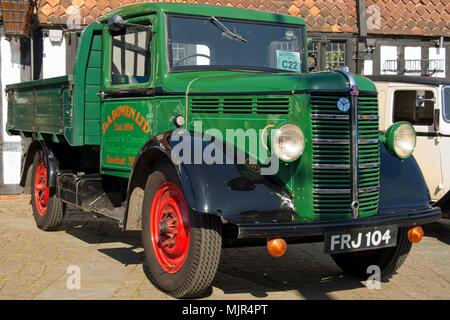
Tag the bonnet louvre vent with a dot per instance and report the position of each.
(241, 105)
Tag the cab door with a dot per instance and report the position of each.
(127, 98)
(421, 116)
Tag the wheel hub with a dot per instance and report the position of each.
(169, 227)
(41, 190)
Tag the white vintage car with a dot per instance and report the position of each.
(425, 103)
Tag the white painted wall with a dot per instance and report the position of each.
(437, 54)
(412, 53)
(368, 68)
(10, 73)
(54, 64)
(387, 53)
(54, 59)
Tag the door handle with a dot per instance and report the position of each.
(102, 94)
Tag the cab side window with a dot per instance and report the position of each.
(130, 56)
(406, 109)
(446, 103)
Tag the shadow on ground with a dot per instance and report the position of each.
(304, 269)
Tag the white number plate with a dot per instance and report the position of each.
(361, 239)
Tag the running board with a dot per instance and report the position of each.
(92, 193)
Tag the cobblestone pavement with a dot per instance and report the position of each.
(33, 265)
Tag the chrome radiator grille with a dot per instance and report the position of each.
(331, 157)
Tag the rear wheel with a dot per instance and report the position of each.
(388, 260)
(182, 248)
(48, 210)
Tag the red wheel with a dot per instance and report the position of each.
(41, 190)
(169, 227)
(182, 247)
(48, 210)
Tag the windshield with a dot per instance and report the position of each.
(219, 43)
(446, 103)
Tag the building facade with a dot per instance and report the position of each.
(371, 37)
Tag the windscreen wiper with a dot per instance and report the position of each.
(228, 32)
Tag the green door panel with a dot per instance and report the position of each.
(126, 126)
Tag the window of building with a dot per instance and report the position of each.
(326, 54)
(406, 109)
(334, 55)
(415, 60)
(130, 56)
(313, 54)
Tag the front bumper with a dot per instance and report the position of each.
(404, 218)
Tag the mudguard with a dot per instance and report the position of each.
(52, 163)
(402, 185)
(237, 193)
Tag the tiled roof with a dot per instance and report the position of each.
(413, 17)
(416, 17)
(326, 15)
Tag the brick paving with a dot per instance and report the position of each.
(33, 265)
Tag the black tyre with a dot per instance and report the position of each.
(388, 259)
(48, 210)
(182, 248)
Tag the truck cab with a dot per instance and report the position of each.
(425, 103)
(200, 126)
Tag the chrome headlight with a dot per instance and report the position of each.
(288, 142)
(401, 139)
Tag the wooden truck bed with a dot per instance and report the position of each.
(64, 108)
(40, 106)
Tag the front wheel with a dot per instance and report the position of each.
(388, 260)
(182, 248)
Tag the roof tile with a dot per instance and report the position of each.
(65, 3)
(78, 3)
(314, 11)
(293, 10)
(46, 10)
(102, 4)
(90, 4)
(53, 3)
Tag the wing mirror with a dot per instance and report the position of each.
(420, 101)
(116, 23)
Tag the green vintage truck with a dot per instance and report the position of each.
(200, 126)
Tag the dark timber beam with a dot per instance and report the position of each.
(362, 34)
(362, 19)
